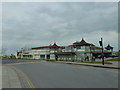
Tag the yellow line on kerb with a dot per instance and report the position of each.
(30, 84)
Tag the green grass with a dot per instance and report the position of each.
(97, 62)
(93, 62)
(114, 59)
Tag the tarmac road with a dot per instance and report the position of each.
(56, 75)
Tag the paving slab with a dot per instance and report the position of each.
(10, 78)
(0, 75)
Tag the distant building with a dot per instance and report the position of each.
(109, 50)
(82, 51)
(43, 52)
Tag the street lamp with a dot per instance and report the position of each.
(21, 53)
(102, 53)
(90, 53)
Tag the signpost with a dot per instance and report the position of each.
(102, 53)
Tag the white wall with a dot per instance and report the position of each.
(52, 57)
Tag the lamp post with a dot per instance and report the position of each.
(102, 53)
(21, 53)
(90, 54)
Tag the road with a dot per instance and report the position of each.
(56, 75)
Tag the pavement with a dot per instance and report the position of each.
(13, 77)
(0, 75)
(10, 78)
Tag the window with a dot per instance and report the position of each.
(78, 47)
(82, 47)
(42, 56)
(48, 56)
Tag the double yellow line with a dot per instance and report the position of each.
(27, 80)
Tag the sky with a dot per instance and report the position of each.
(34, 24)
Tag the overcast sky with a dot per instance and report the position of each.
(37, 24)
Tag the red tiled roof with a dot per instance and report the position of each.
(62, 47)
(72, 45)
(109, 47)
(40, 47)
(95, 47)
(100, 52)
(50, 46)
(65, 53)
(54, 45)
(82, 42)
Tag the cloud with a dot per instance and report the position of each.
(36, 24)
(0, 27)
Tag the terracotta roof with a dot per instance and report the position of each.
(82, 42)
(62, 47)
(50, 46)
(72, 45)
(40, 47)
(109, 47)
(100, 52)
(65, 53)
(54, 45)
(95, 47)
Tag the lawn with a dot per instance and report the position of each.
(93, 62)
(114, 59)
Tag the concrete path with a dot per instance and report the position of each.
(0, 75)
(10, 78)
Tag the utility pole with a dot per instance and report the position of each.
(90, 54)
(102, 53)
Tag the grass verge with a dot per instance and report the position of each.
(93, 62)
(97, 62)
(114, 59)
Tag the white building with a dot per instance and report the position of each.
(77, 51)
(43, 52)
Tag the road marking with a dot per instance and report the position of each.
(28, 81)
